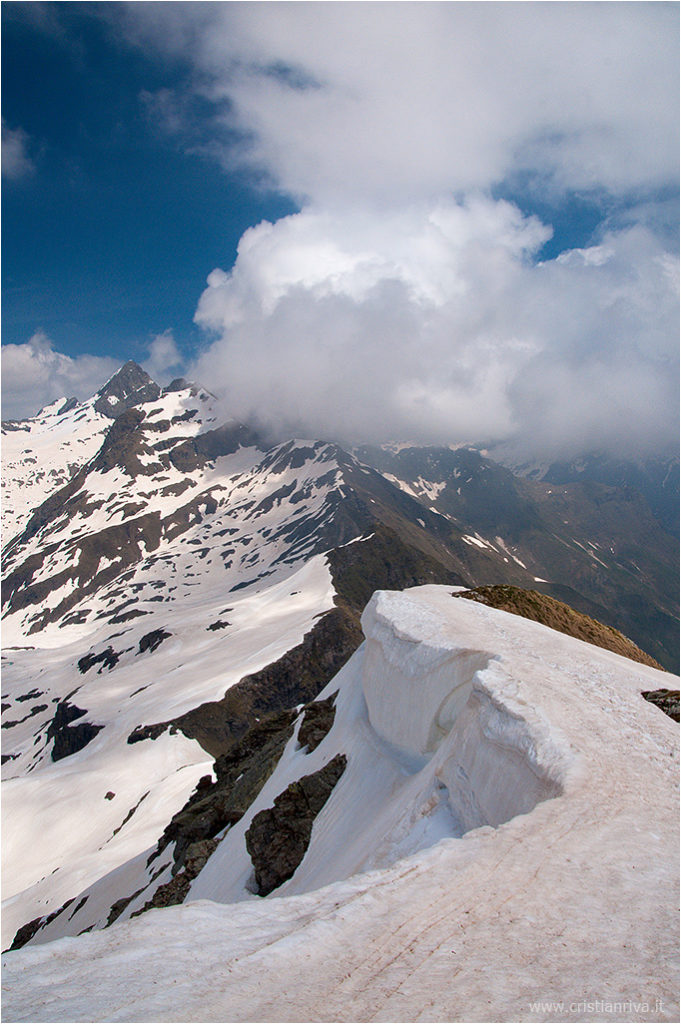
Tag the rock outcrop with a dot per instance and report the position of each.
(279, 836)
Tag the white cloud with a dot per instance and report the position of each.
(34, 374)
(164, 357)
(16, 163)
(393, 102)
(435, 324)
(402, 301)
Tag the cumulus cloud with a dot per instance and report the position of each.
(437, 325)
(389, 102)
(16, 162)
(403, 301)
(34, 374)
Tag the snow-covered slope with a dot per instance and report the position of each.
(102, 635)
(175, 561)
(40, 454)
(533, 793)
(84, 800)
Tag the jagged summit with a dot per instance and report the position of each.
(129, 386)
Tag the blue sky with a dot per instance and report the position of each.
(455, 221)
(109, 193)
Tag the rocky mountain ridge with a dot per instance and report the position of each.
(472, 792)
(593, 545)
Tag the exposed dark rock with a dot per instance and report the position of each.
(150, 641)
(107, 659)
(225, 440)
(189, 515)
(75, 618)
(219, 624)
(240, 775)
(79, 906)
(34, 711)
(279, 836)
(318, 719)
(31, 695)
(148, 732)
(123, 445)
(184, 417)
(119, 906)
(128, 387)
(132, 508)
(68, 405)
(158, 426)
(136, 613)
(69, 739)
(27, 931)
(665, 700)
(176, 489)
(175, 891)
(129, 815)
(274, 498)
(180, 384)
(109, 795)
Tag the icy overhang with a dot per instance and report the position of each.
(435, 699)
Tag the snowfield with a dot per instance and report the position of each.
(83, 836)
(40, 454)
(503, 845)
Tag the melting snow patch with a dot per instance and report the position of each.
(477, 541)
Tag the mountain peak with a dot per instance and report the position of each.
(129, 386)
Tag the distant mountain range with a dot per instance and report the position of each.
(177, 587)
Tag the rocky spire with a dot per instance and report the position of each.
(129, 386)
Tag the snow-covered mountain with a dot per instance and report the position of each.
(477, 819)
(41, 454)
(178, 559)
(177, 593)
